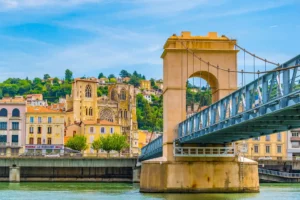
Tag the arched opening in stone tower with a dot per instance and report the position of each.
(201, 91)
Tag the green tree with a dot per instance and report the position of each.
(111, 76)
(119, 142)
(135, 81)
(107, 144)
(152, 81)
(101, 75)
(96, 145)
(112, 80)
(78, 142)
(46, 76)
(68, 75)
(124, 73)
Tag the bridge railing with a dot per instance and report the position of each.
(247, 102)
(204, 151)
(277, 173)
(152, 149)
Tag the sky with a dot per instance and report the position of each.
(93, 36)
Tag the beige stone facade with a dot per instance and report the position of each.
(118, 107)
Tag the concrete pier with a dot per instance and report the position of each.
(216, 175)
(14, 174)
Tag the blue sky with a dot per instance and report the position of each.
(92, 36)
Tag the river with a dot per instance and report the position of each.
(123, 191)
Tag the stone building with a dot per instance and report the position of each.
(119, 107)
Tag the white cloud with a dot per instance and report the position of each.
(20, 4)
(158, 8)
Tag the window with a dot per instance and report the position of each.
(49, 141)
(91, 129)
(14, 138)
(39, 141)
(295, 134)
(31, 140)
(295, 145)
(123, 94)
(111, 130)
(31, 129)
(267, 137)
(74, 133)
(256, 139)
(278, 136)
(16, 112)
(268, 149)
(88, 91)
(49, 120)
(125, 114)
(31, 119)
(15, 125)
(255, 148)
(39, 120)
(91, 111)
(278, 148)
(3, 125)
(49, 130)
(114, 95)
(102, 129)
(3, 138)
(3, 112)
(121, 114)
(39, 130)
(107, 114)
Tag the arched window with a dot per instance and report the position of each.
(107, 114)
(123, 94)
(121, 114)
(16, 112)
(3, 112)
(88, 91)
(86, 111)
(91, 111)
(114, 95)
(125, 114)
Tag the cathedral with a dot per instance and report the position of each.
(118, 108)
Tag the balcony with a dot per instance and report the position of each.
(15, 144)
(2, 144)
(295, 139)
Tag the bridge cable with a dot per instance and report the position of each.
(246, 72)
(200, 85)
(244, 66)
(254, 67)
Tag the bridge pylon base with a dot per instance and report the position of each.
(192, 175)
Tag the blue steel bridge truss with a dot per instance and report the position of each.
(269, 104)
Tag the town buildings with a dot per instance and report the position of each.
(145, 84)
(44, 130)
(272, 146)
(84, 108)
(293, 144)
(12, 126)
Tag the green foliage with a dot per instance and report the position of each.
(102, 90)
(107, 143)
(101, 75)
(119, 142)
(96, 145)
(111, 76)
(134, 80)
(78, 142)
(68, 75)
(152, 81)
(203, 97)
(150, 116)
(113, 80)
(46, 76)
(124, 74)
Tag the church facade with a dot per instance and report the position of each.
(118, 107)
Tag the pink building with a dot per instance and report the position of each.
(12, 127)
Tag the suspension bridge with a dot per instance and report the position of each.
(268, 104)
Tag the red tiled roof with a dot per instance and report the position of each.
(40, 109)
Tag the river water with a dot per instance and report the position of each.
(123, 191)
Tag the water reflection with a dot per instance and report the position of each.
(123, 191)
